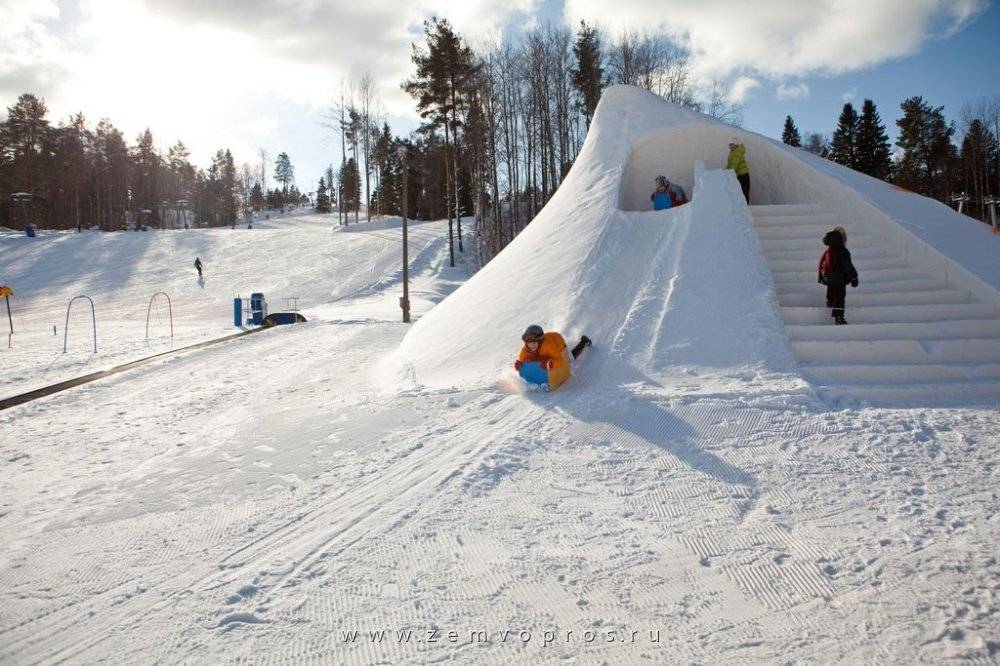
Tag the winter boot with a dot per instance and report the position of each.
(839, 321)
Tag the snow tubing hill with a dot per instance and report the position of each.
(696, 289)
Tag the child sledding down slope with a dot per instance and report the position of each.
(836, 271)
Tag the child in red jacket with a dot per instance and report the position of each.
(836, 271)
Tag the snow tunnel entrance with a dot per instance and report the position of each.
(671, 153)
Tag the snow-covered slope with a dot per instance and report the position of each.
(660, 293)
(294, 255)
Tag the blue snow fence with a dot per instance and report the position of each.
(533, 373)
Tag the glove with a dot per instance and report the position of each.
(518, 364)
(854, 283)
(547, 364)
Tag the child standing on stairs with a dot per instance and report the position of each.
(835, 270)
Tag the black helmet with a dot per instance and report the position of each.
(533, 332)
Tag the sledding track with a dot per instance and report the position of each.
(912, 336)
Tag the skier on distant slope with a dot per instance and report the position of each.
(836, 270)
(197, 264)
(549, 351)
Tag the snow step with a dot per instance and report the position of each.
(868, 277)
(889, 373)
(815, 244)
(925, 284)
(859, 255)
(930, 393)
(892, 313)
(816, 297)
(912, 336)
(822, 222)
(923, 352)
(812, 231)
(938, 330)
(870, 264)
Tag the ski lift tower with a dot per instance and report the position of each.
(961, 200)
(24, 198)
(992, 202)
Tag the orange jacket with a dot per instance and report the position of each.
(553, 347)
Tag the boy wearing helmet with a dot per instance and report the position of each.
(661, 196)
(549, 351)
(667, 194)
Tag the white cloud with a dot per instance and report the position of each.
(793, 91)
(31, 56)
(221, 73)
(741, 89)
(781, 38)
(850, 95)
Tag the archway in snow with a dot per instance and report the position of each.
(775, 176)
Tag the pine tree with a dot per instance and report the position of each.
(144, 183)
(322, 198)
(791, 135)
(925, 138)
(978, 155)
(257, 197)
(872, 151)
(441, 87)
(284, 173)
(350, 184)
(588, 76)
(25, 132)
(843, 147)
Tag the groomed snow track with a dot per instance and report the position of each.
(912, 336)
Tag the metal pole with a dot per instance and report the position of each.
(405, 301)
(93, 319)
(170, 310)
(7, 292)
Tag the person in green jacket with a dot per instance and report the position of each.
(738, 162)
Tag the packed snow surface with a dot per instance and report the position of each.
(355, 490)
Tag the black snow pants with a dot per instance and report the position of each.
(836, 295)
(745, 185)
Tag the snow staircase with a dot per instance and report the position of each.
(911, 336)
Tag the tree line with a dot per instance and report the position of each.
(928, 160)
(502, 123)
(73, 176)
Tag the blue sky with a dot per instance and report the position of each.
(245, 76)
(945, 72)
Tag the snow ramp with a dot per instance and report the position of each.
(683, 292)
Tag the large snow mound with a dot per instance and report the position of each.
(684, 290)
(666, 292)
